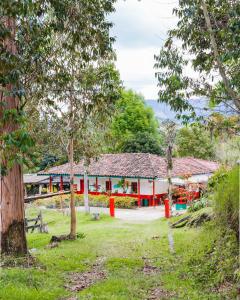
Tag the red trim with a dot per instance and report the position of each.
(158, 197)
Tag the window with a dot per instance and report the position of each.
(134, 187)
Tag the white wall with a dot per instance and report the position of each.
(200, 178)
(146, 186)
(77, 182)
(161, 187)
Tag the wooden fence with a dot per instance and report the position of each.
(36, 223)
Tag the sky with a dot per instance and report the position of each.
(140, 28)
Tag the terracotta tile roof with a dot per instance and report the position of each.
(141, 165)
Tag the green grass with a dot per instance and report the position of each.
(124, 246)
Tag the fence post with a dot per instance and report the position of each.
(111, 207)
(41, 221)
(167, 208)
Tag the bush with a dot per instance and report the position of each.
(198, 204)
(94, 200)
(226, 200)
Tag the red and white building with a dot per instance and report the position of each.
(139, 175)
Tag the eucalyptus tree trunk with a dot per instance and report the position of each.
(169, 173)
(86, 202)
(12, 231)
(72, 197)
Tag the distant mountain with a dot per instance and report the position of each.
(162, 111)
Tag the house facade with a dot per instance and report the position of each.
(138, 175)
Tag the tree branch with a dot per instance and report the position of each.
(214, 47)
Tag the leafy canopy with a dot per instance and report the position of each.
(134, 124)
(50, 36)
(194, 141)
(189, 46)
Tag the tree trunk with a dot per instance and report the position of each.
(12, 231)
(72, 200)
(232, 94)
(86, 202)
(169, 174)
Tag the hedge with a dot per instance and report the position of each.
(94, 200)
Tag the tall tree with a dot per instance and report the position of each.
(90, 93)
(194, 141)
(132, 122)
(12, 230)
(208, 32)
(82, 25)
(170, 135)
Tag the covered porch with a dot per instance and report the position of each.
(147, 191)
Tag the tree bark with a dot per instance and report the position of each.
(169, 174)
(86, 202)
(72, 198)
(12, 230)
(229, 89)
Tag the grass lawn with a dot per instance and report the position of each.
(136, 260)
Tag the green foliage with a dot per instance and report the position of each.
(94, 200)
(176, 86)
(198, 204)
(217, 178)
(194, 141)
(143, 142)
(133, 125)
(63, 48)
(226, 197)
(227, 150)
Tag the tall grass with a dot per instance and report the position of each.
(226, 198)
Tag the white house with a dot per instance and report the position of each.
(139, 175)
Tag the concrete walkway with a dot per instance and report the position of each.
(135, 215)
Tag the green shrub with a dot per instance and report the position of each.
(94, 200)
(216, 259)
(226, 200)
(198, 204)
(218, 177)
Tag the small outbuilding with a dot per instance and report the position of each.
(139, 175)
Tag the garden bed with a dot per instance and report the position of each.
(62, 201)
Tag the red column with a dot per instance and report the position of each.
(139, 197)
(61, 183)
(50, 184)
(96, 184)
(112, 207)
(167, 208)
(153, 202)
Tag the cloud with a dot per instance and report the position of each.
(140, 29)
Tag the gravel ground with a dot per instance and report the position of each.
(142, 214)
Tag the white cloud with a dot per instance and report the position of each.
(140, 29)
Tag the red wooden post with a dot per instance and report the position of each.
(153, 202)
(61, 183)
(167, 208)
(96, 184)
(139, 197)
(112, 207)
(50, 184)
